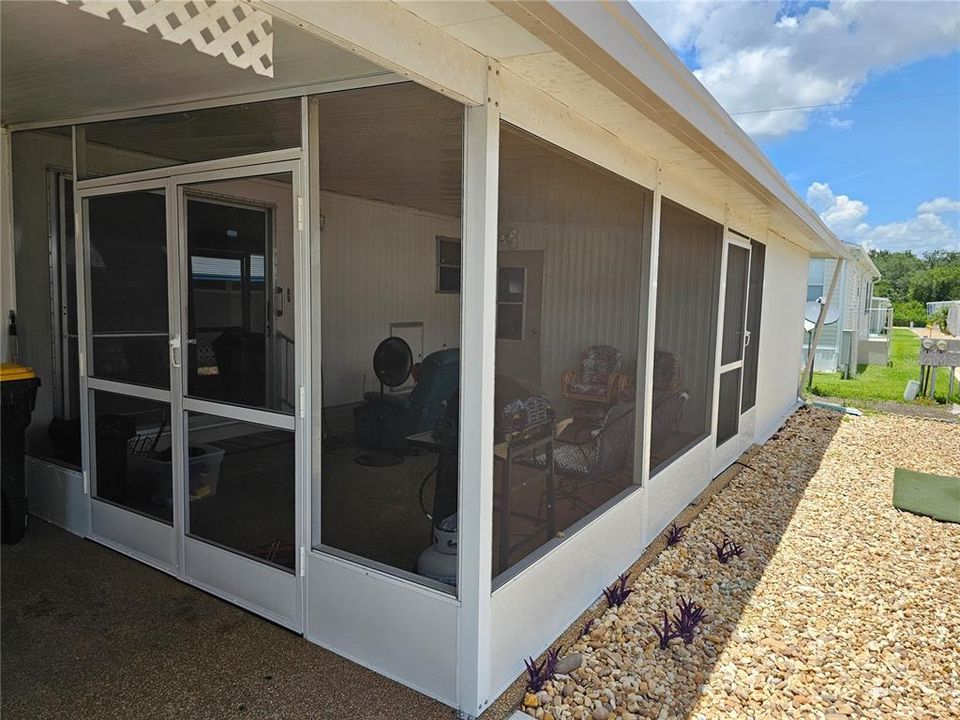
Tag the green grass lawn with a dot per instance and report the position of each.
(878, 382)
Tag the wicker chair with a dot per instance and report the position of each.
(598, 380)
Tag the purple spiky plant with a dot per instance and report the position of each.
(682, 625)
(667, 632)
(675, 533)
(689, 617)
(586, 627)
(618, 593)
(726, 549)
(539, 673)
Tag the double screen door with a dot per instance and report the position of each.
(735, 386)
(191, 378)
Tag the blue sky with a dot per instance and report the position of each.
(884, 173)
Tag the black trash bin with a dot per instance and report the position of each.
(18, 388)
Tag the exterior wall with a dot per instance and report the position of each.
(401, 630)
(55, 494)
(781, 334)
(828, 346)
(953, 319)
(840, 343)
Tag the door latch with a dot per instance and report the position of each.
(175, 350)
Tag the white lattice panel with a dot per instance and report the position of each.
(231, 30)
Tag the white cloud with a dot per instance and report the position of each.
(755, 56)
(927, 230)
(840, 124)
(939, 205)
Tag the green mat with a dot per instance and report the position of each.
(935, 495)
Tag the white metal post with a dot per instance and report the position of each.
(648, 347)
(649, 341)
(477, 353)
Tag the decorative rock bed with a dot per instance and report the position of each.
(840, 606)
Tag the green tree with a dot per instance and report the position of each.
(908, 312)
(936, 284)
(896, 269)
(929, 278)
(938, 258)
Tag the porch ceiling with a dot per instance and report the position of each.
(59, 63)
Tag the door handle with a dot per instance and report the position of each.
(746, 338)
(175, 350)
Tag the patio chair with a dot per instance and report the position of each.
(598, 379)
(604, 456)
(669, 395)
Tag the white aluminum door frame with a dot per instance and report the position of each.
(724, 454)
(266, 590)
(748, 417)
(149, 540)
(154, 542)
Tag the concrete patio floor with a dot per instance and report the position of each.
(89, 633)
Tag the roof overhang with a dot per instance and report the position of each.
(600, 62)
(613, 44)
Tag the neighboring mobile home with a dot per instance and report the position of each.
(600, 276)
(857, 329)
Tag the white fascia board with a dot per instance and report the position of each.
(394, 38)
(625, 36)
(872, 268)
(860, 257)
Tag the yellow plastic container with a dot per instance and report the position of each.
(12, 371)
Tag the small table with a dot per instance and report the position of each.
(510, 453)
(525, 451)
(445, 492)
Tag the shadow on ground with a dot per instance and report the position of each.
(777, 477)
(89, 633)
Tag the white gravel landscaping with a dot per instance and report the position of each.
(840, 606)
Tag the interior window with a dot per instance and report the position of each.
(815, 279)
(511, 294)
(448, 265)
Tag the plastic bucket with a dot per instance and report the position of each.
(913, 387)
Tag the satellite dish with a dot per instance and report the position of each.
(392, 364)
(812, 313)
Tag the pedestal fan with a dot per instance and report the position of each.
(392, 364)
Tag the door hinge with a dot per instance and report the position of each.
(303, 560)
(302, 401)
(300, 212)
(81, 364)
(86, 482)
